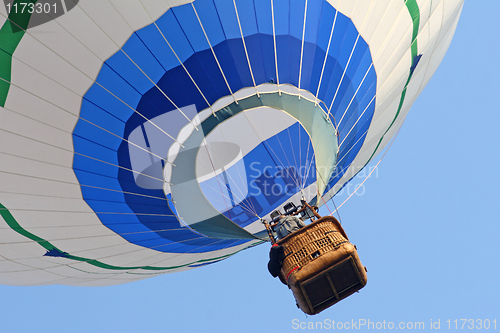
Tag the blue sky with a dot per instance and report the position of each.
(425, 224)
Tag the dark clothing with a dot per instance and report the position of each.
(276, 256)
(285, 226)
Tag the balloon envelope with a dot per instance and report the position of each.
(143, 137)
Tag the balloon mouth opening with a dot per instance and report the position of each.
(236, 162)
(246, 178)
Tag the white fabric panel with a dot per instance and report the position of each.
(9, 266)
(391, 89)
(444, 38)
(345, 7)
(41, 85)
(16, 246)
(133, 13)
(360, 13)
(389, 32)
(29, 105)
(388, 93)
(436, 3)
(42, 202)
(58, 55)
(64, 218)
(21, 192)
(125, 258)
(394, 51)
(97, 43)
(108, 19)
(156, 8)
(155, 260)
(160, 261)
(425, 7)
(91, 247)
(379, 21)
(88, 273)
(65, 271)
(36, 131)
(54, 234)
(36, 262)
(28, 277)
(15, 183)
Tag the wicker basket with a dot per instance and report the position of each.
(321, 266)
(311, 242)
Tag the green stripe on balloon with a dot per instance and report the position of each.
(53, 251)
(11, 34)
(412, 7)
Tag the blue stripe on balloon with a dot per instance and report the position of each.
(126, 88)
(232, 52)
(228, 19)
(117, 90)
(124, 80)
(296, 18)
(325, 24)
(93, 140)
(152, 38)
(312, 66)
(363, 60)
(247, 16)
(263, 16)
(191, 28)
(205, 72)
(145, 60)
(282, 14)
(101, 120)
(108, 170)
(231, 66)
(98, 97)
(314, 14)
(210, 20)
(175, 83)
(339, 33)
(348, 44)
(261, 53)
(170, 28)
(288, 52)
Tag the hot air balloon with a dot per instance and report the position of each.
(146, 137)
